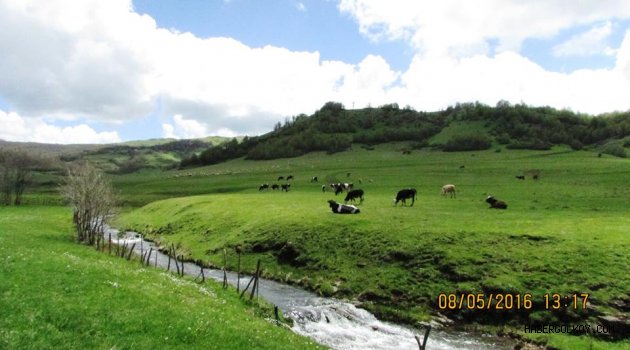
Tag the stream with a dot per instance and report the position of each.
(334, 323)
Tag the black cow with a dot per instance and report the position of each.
(342, 208)
(290, 177)
(495, 203)
(520, 177)
(263, 187)
(275, 187)
(280, 178)
(352, 195)
(286, 187)
(314, 179)
(402, 196)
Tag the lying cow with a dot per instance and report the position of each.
(342, 208)
(402, 196)
(495, 203)
(354, 194)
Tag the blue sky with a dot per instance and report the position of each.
(98, 72)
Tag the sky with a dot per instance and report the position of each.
(93, 71)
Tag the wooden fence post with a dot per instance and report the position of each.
(422, 345)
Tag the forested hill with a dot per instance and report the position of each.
(469, 126)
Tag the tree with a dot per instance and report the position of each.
(92, 198)
(15, 175)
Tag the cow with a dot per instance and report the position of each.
(520, 177)
(314, 179)
(449, 189)
(280, 178)
(290, 177)
(354, 194)
(323, 188)
(275, 187)
(263, 187)
(495, 203)
(402, 196)
(286, 187)
(342, 208)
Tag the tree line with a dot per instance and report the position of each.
(334, 128)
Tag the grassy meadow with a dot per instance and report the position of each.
(564, 233)
(56, 294)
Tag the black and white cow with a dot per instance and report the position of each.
(402, 196)
(354, 194)
(323, 188)
(263, 187)
(280, 178)
(314, 179)
(338, 208)
(275, 187)
(290, 177)
(286, 187)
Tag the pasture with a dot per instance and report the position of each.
(57, 294)
(567, 232)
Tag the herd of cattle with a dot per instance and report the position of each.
(353, 194)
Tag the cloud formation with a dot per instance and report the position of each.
(102, 61)
(16, 128)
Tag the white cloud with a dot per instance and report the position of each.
(100, 60)
(300, 6)
(13, 127)
(591, 42)
(463, 28)
(183, 128)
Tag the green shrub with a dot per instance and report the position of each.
(473, 142)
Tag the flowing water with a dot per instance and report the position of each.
(337, 324)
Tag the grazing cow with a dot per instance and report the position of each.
(342, 208)
(348, 174)
(402, 195)
(354, 194)
(275, 187)
(520, 177)
(290, 177)
(495, 203)
(450, 189)
(314, 179)
(263, 187)
(323, 188)
(286, 187)
(280, 178)
(462, 166)
(535, 177)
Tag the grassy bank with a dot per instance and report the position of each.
(58, 294)
(564, 233)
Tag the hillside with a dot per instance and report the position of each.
(464, 127)
(57, 294)
(558, 234)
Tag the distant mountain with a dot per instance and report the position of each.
(123, 157)
(463, 127)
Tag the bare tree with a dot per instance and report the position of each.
(92, 197)
(16, 169)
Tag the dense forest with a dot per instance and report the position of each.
(334, 128)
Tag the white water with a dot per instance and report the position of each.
(335, 323)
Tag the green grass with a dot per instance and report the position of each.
(57, 294)
(565, 233)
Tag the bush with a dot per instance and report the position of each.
(614, 150)
(467, 143)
